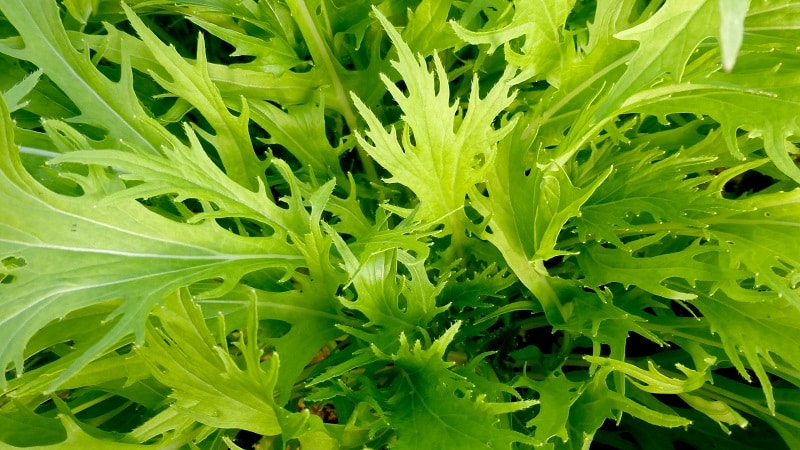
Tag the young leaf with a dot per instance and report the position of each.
(721, 412)
(208, 385)
(205, 380)
(390, 301)
(542, 23)
(301, 130)
(441, 154)
(652, 380)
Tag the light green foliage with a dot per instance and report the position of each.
(528, 203)
(731, 29)
(557, 394)
(192, 84)
(323, 224)
(442, 152)
(89, 251)
(111, 106)
(541, 23)
(208, 386)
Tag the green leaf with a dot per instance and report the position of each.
(313, 310)
(109, 372)
(442, 152)
(759, 97)
(14, 96)
(301, 130)
(101, 101)
(596, 316)
(426, 31)
(660, 50)
(232, 82)
(597, 403)
(528, 201)
(557, 394)
(759, 240)
(432, 407)
(753, 332)
(316, 34)
(389, 300)
(68, 253)
(22, 427)
(702, 432)
(274, 55)
(209, 386)
(78, 437)
(694, 263)
(206, 381)
(648, 193)
(191, 82)
(80, 9)
(541, 23)
(784, 418)
(199, 179)
(584, 229)
(731, 29)
(188, 173)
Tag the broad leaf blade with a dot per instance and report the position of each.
(67, 253)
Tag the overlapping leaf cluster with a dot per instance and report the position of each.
(399, 224)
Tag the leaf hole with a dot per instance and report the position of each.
(13, 262)
(402, 302)
(478, 161)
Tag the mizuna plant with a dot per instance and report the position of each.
(402, 224)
